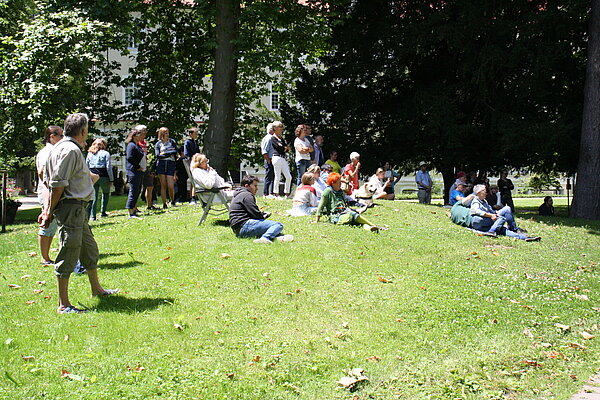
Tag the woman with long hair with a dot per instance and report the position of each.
(166, 151)
(98, 161)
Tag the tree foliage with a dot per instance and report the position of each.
(470, 84)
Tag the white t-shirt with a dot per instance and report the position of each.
(40, 164)
(300, 156)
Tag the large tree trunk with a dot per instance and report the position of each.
(217, 139)
(586, 201)
(448, 175)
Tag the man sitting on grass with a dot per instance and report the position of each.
(486, 219)
(247, 220)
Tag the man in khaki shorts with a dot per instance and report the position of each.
(71, 188)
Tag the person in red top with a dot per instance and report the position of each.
(352, 170)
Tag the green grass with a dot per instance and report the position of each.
(288, 319)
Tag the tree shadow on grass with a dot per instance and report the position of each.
(129, 305)
(560, 219)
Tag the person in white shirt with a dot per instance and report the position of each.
(52, 135)
(207, 177)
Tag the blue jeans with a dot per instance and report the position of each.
(269, 176)
(302, 166)
(261, 228)
(135, 187)
(507, 214)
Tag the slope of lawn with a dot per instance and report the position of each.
(428, 309)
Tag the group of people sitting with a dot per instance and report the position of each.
(485, 211)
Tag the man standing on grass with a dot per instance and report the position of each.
(424, 184)
(267, 153)
(71, 189)
(247, 220)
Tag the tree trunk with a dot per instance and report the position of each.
(448, 175)
(23, 179)
(586, 201)
(217, 140)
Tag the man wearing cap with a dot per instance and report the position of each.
(424, 184)
(71, 188)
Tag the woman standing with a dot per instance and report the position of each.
(166, 150)
(135, 167)
(280, 164)
(98, 161)
(303, 149)
(505, 186)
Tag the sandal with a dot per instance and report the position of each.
(71, 310)
(107, 292)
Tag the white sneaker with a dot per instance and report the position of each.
(262, 240)
(285, 238)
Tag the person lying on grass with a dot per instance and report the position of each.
(486, 219)
(333, 204)
(247, 220)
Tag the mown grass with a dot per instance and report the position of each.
(286, 320)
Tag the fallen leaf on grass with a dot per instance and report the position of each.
(289, 294)
(67, 374)
(166, 258)
(345, 325)
(27, 358)
(295, 388)
(552, 354)
(169, 248)
(32, 254)
(177, 326)
(374, 358)
(13, 286)
(384, 280)
(30, 302)
(24, 277)
(66, 338)
(527, 333)
(596, 309)
(41, 282)
(339, 335)
(138, 368)
(38, 291)
(225, 255)
(299, 290)
(563, 327)
(582, 297)
(399, 319)
(532, 363)
(256, 358)
(586, 335)
(546, 345)
(575, 345)
(230, 375)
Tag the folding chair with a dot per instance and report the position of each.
(207, 197)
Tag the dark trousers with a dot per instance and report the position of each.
(135, 187)
(269, 177)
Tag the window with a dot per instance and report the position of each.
(274, 101)
(130, 96)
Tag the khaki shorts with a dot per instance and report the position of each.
(76, 239)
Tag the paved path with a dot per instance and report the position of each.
(590, 391)
(29, 202)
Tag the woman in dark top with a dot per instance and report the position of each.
(166, 155)
(505, 186)
(547, 209)
(280, 164)
(135, 167)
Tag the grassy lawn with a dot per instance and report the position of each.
(205, 315)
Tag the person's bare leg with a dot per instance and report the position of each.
(163, 188)
(45, 242)
(149, 190)
(171, 186)
(94, 282)
(63, 293)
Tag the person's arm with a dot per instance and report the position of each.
(477, 208)
(249, 203)
(51, 201)
(109, 169)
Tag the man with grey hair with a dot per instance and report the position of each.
(71, 189)
(486, 219)
(267, 153)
